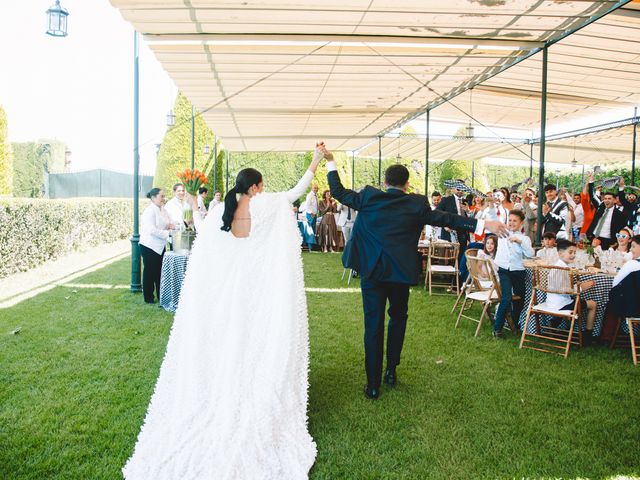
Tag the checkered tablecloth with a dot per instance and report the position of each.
(599, 293)
(174, 266)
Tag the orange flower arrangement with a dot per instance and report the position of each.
(192, 180)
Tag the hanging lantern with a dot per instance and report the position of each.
(171, 118)
(57, 20)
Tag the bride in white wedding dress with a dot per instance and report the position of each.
(231, 399)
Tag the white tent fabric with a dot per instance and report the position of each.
(276, 75)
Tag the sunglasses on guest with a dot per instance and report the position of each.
(622, 235)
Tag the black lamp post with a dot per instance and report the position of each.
(57, 20)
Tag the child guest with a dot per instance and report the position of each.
(509, 259)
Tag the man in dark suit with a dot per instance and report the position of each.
(607, 221)
(382, 249)
(554, 212)
(454, 204)
(629, 203)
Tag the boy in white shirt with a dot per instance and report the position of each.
(560, 280)
(509, 259)
(548, 251)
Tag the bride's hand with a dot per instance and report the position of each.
(327, 154)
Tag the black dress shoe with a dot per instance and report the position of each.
(371, 393)
(390, 377)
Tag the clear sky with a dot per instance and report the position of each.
(79, 89)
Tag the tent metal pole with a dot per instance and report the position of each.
(531, 162)
(426, 156)
(136, 284)
(193, 136)
(226, 186)
(633, 151)
(215, 164)
(353, 170)
(543, 127)
(380, 162)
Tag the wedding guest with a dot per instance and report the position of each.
(509, 258)
(311, 207)
(530, 210)
(436, 198)
(588, 209)
(176, 206)
(346, 219)
(629, 204)
(548, 250)
(507, 203)
(202, 194)
(477, 211)
(578, 214)
(623, 243)
(554, 212)
(560, 301)
(328, 229)
(607, 220)
(155, 224)
(454, 204)
(489, 251)
(631, 266)
(217, 200)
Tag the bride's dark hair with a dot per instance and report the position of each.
(245, 179)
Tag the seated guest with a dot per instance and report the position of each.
(489, 253)
(559, 301)
(548, 251)
(509, 258)
(631, 266)
(623, 243)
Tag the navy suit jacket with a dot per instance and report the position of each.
(384, 239)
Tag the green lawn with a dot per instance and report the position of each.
(76, 380)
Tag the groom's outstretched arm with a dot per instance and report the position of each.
(458, 222)
(345, 196)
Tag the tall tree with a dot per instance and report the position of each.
(175, 151)
(6, 157)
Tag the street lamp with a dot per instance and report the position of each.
(171, 119)
(57, 20)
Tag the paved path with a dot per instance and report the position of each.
(20, 286)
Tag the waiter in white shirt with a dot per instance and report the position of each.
(154, 232)
(176, 206)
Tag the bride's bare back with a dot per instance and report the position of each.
(241, 224)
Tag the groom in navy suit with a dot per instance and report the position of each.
(383, 249)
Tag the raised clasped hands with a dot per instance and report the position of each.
(327, 154)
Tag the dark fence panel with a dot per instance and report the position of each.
(96, 183)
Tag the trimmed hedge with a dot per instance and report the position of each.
(33, 231)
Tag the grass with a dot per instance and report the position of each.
(76, 380)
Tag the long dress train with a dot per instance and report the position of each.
(230, 402)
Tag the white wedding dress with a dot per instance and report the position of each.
(231, 399)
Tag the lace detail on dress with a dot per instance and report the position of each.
(231, 397)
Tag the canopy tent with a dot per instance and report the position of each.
(276, 75)
(590, 72)
(606, 147)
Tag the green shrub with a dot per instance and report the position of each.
(33, 231)
(6, 158)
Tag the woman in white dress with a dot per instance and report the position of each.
(231, 398)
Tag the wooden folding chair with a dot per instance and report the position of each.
(442, 260)
(632, 322)
(471, 252)
(481, 273)
(547, 338)
(344, 272)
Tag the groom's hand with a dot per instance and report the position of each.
(499, 228)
